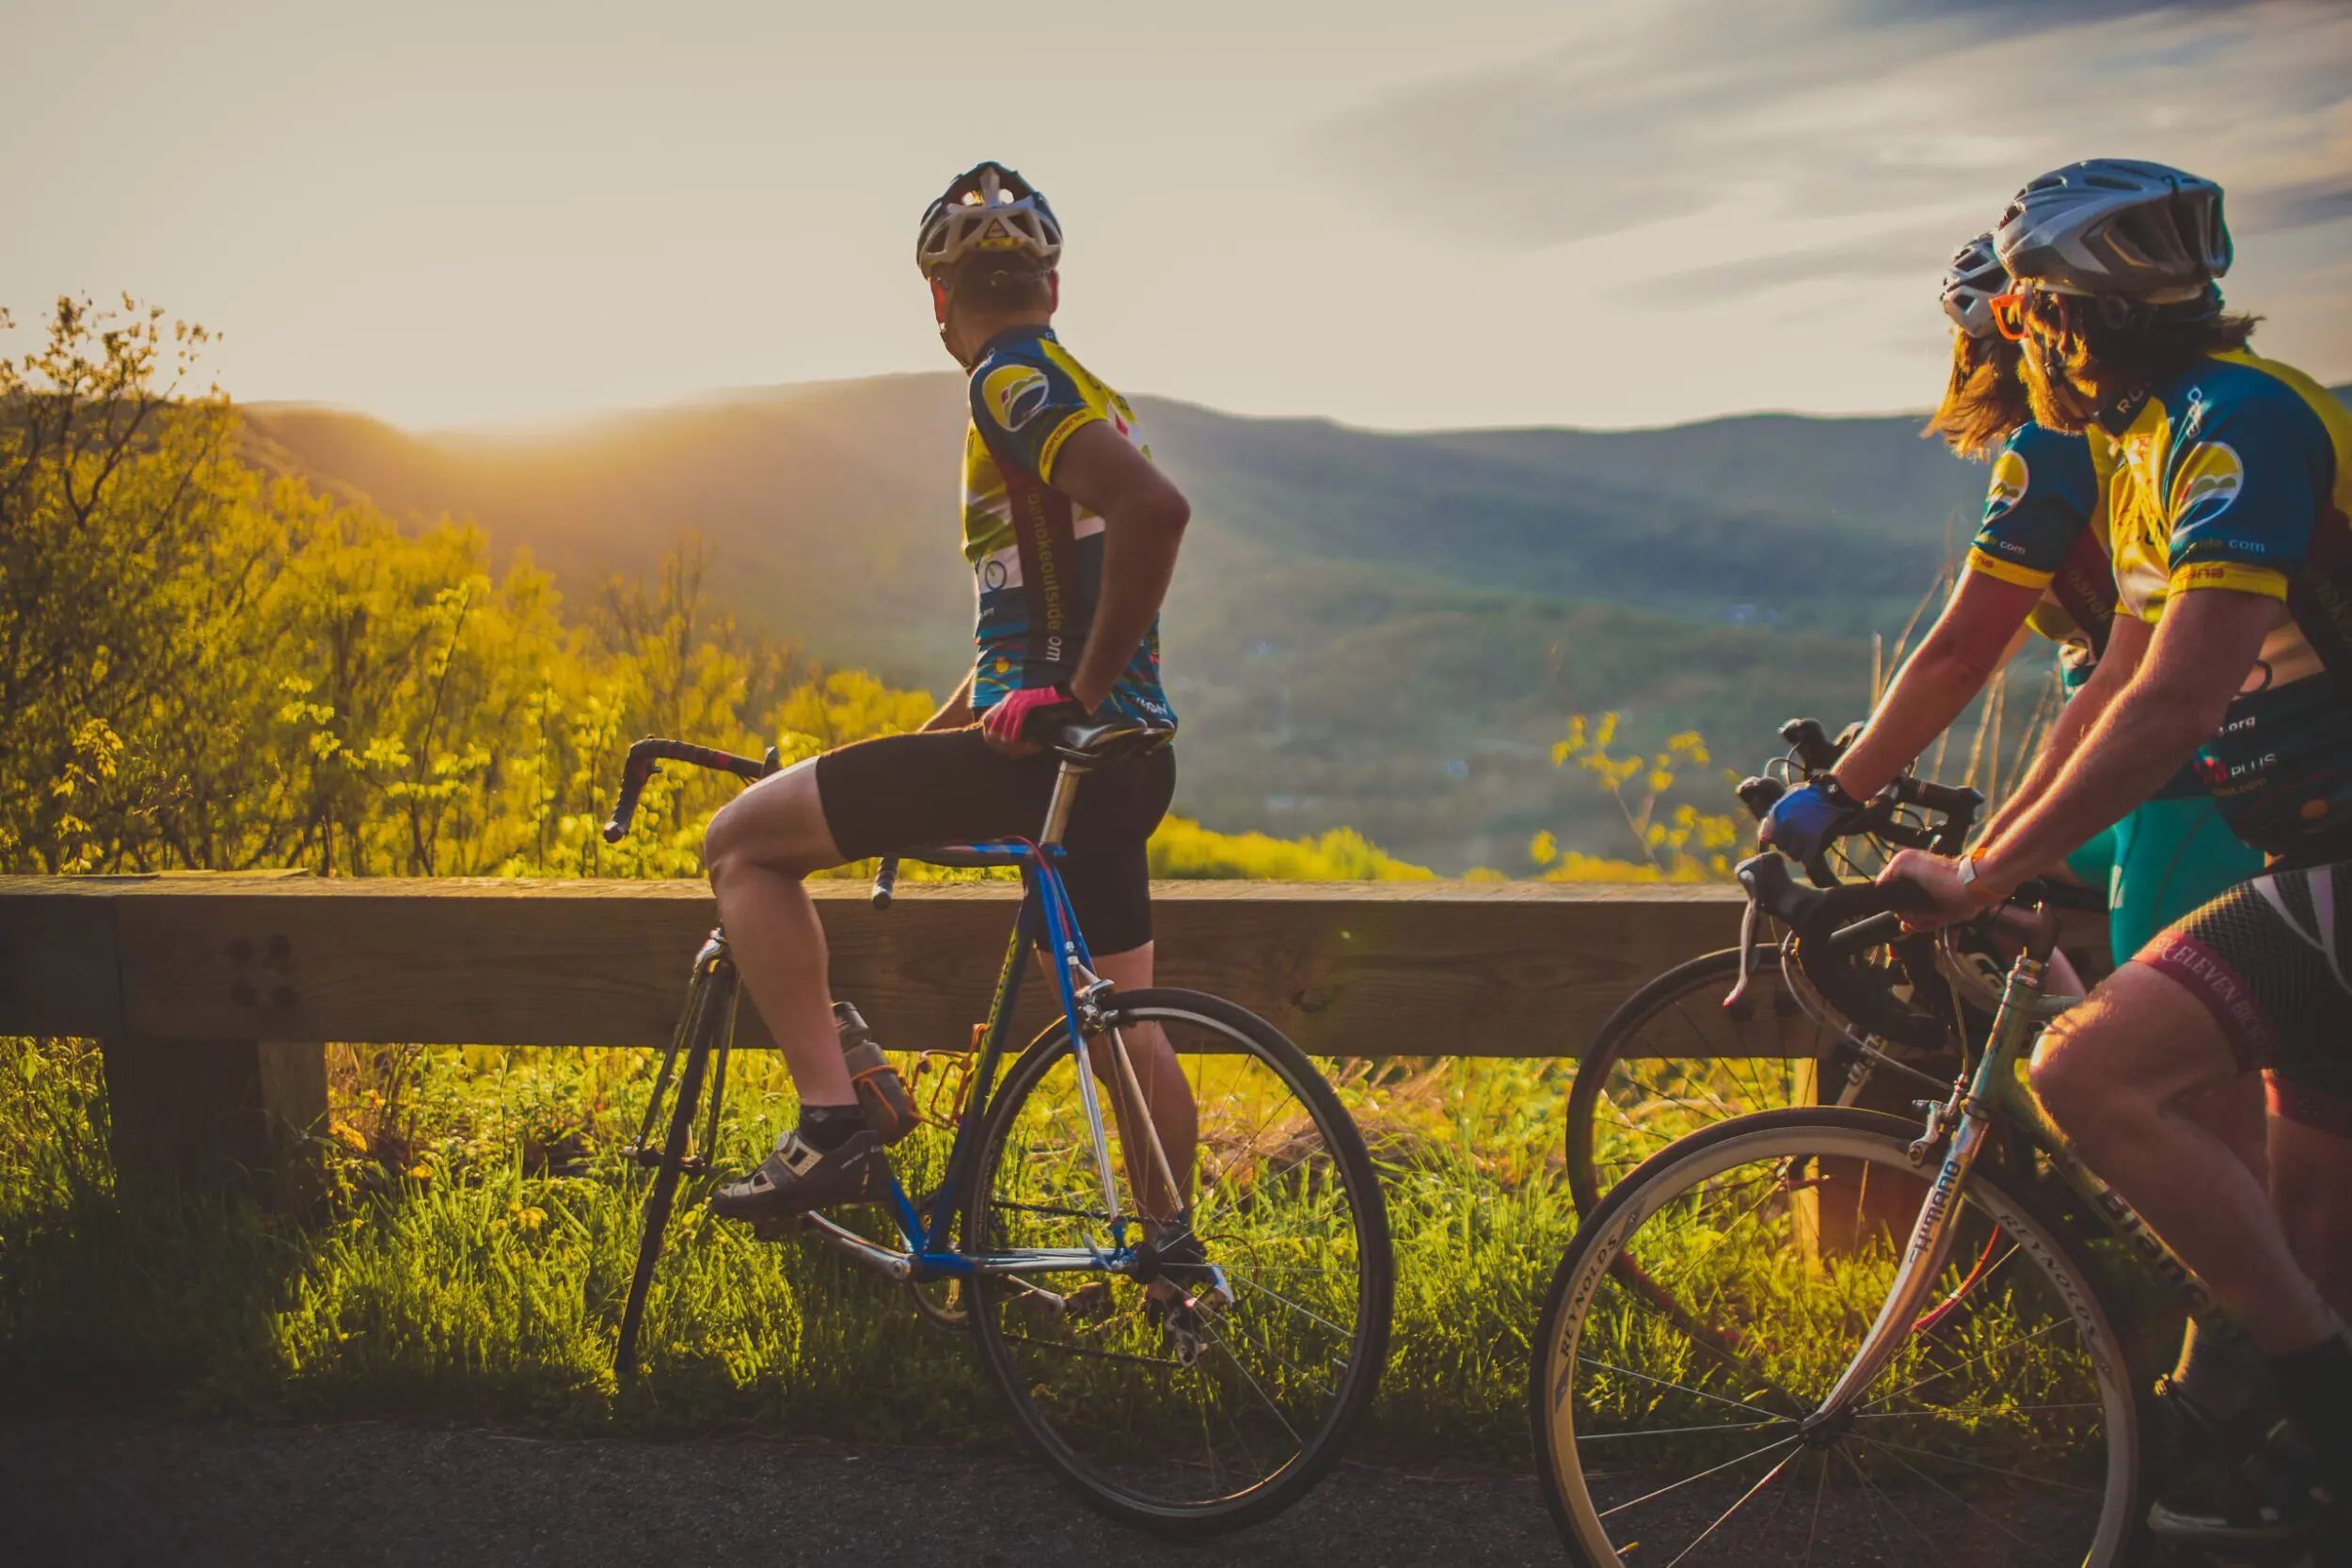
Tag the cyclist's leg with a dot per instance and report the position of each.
(1166, 1098)
(892, 793)
(2115, 1074)
(1107, 869)
(2310, 1169)
(758, 848)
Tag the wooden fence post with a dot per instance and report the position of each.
(192, 1116)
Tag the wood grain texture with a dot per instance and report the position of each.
(1345, 969)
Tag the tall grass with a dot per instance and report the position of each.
(468, 1258)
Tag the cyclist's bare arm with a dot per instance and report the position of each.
(2193, 667)
(2127, 644)
(956, 712)
(1143, 523)
(1968, 642)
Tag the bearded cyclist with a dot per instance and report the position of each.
(1072, 535)
(2039, 561)
(2232, 551)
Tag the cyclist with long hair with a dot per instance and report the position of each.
(1070, 534)
(2039, 562)
(2228, 533)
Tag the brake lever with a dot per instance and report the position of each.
(1748, 924)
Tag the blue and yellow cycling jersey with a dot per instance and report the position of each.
(2045, 526)
(2237, 474)
(1035, 555)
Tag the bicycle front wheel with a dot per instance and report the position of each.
(1200, 1410)
(1674, 1415)
(702, 1024)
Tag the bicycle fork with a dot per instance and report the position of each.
(1970, 1122)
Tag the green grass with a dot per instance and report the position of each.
(468, 1260)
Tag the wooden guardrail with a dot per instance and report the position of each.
(212, 995)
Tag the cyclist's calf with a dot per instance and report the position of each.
(2135, 1077)
(2312, 1185)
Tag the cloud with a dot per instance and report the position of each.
(1915, 117)
(2036, 15)
(1910, 253)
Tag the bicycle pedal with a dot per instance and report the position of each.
(777, 1227)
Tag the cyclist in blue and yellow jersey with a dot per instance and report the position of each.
(2228, 526)
(1072, 535)
(2039, 561)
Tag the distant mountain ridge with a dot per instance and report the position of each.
(1379, 630)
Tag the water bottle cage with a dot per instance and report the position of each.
(940, 1102)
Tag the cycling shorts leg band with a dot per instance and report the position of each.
(2223, 992)
(2271, 961)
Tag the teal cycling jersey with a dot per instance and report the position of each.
(2236, 475)
(1035, 555)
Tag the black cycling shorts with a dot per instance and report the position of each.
(898, 793)
(2271, 960)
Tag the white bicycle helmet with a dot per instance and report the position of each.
(2117, 227)
(1970, 283)
(990, 209)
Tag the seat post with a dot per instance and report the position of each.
(1065, 795)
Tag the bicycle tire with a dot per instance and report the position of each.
(1375, 1288)
(1700, 983)
(1844, 1135)
(663, 1194)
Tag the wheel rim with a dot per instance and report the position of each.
(1163, 1409)
(2003, 1435)
(1687, 1061)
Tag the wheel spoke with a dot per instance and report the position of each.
(2040, 1552)
(1671, 1385)
(1197, 1414)
(1714, 1470)
(1766, 1481)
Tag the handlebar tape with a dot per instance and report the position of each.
(642, 758)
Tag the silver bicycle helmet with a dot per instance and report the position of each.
(2116, 225)
(988, 208)
(1970, 283)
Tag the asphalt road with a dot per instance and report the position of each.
(107, 1489)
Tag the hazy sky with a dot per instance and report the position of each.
(1398, 214)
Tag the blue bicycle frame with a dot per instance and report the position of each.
(1046, 921)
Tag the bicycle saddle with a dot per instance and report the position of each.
(1113, 740)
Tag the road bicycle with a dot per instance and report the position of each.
(1774, 1380)
(1722, 1035)
(1166, 1395)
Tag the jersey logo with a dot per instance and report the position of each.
(1015, 394)
(2010, 478)
(2210, 479)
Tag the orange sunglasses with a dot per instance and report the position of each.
(2009, 314)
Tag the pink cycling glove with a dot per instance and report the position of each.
(1004, 721)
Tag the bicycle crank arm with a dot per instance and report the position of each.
(893, 1265)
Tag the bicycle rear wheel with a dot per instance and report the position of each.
(1673, 1415)
(1199, 1418)
(711, 1003)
